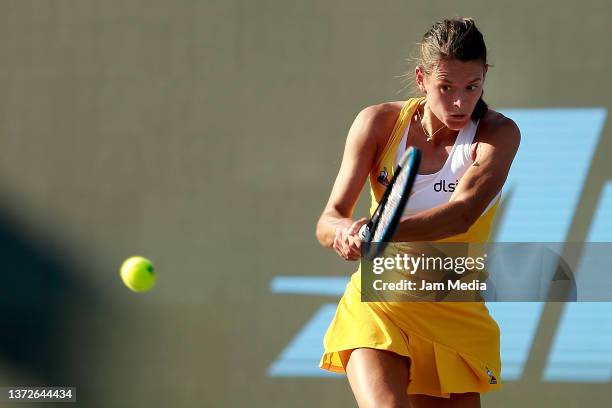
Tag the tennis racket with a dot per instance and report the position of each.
(381, 228)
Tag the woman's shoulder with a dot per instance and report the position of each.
(379, 120)
(382, 112)
(495, 121)
(496, 126)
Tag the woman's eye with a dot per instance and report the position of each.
(445, 88)
(472, 87)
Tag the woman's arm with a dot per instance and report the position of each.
(497, 145)
(368, 133)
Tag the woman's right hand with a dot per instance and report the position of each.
(347, 242)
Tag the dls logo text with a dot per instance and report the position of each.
(442, 185)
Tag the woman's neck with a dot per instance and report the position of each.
(434, 129)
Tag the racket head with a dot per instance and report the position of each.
(382, 226)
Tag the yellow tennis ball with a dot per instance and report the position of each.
(137, 273)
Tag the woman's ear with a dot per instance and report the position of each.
(420, 79)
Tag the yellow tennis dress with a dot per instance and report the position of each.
(453, 346)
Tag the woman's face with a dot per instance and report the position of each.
(453, 89)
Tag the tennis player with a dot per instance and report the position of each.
(423, 354)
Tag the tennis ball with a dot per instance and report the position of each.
(137, 273)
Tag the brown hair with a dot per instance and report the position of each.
(456, 38)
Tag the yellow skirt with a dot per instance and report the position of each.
(453, 347)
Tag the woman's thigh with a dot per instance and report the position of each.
(467, 400)
(378, 378)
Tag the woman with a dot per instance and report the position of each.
(399, 354)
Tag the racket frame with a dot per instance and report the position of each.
(410, 161)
